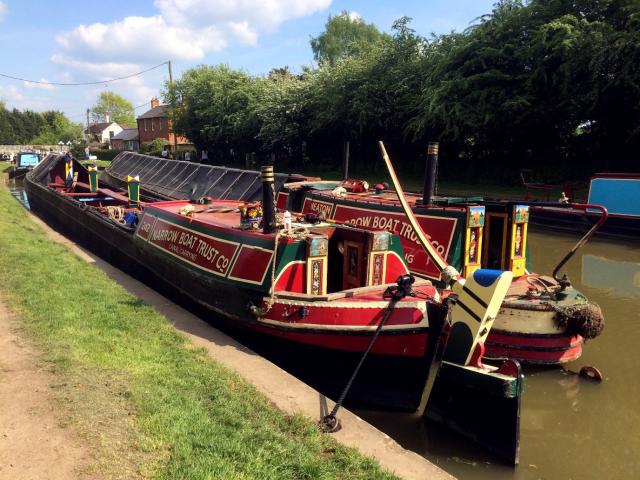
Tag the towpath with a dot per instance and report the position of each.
(33, 444)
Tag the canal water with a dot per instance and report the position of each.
(571, 427)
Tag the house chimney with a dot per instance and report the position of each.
(155, 102)
(107, 118)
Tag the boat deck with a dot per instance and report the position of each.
(221, 213)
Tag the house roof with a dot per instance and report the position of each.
(155, 112)
(126, 134)
(99, 127)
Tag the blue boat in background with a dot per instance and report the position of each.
(619, 193)
(25, 161)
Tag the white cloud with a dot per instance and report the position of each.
(355, 16)
(10, 93)
(44, 85)
(182, 30)
(14, 97)
(178, 30)
(3, 10)
(133, 89)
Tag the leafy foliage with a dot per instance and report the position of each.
(344, 35)
(119, 109)
(552, 85)
(27, 127)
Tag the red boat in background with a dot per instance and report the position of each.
(543, 320)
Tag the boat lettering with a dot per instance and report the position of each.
(145, 227)
(318, 207)
(441, 230)
(209, 253)
(213, 255)
(165, 235)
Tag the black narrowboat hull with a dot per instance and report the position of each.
(385, 381)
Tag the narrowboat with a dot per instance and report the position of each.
(24, 162)
(339, 293)
(619, 193)
(543, 320)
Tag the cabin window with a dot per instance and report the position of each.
(153, 125)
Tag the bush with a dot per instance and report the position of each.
(154, 147)
(104, 153)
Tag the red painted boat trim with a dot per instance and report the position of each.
(534, 349)
(408, 344)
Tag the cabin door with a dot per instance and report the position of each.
(494, 254)
(352, 276)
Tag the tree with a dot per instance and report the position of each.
(344, 35)
(57, 128)
(216, 108)
(119, 109)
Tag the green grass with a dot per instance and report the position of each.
(149, 403)
(98, 163)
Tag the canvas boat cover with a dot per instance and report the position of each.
(175, 179)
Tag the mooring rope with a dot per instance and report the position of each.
(115, 213)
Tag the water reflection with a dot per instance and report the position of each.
(618, 277)
(571, 427)
(16, 189)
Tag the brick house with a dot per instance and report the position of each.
(155, 123)
(127, 139)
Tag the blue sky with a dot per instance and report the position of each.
(82, 41)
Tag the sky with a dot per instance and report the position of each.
(70, 41)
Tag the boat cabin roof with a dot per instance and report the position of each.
(386, 197)
(225, 215)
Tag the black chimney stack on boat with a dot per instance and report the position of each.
(268, 200)
(429, 189)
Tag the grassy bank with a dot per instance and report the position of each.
(150, 404)
(98, 163)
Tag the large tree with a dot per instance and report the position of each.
(120, 109)
(344, 35)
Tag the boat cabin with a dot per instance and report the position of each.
(468, 232)
(311, 259)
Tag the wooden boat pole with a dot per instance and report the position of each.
(429, 188)
(268, 200)
(478, 298)
(433, 254)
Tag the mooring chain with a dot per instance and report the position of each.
(329, 423)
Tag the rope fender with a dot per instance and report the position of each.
(585, 319)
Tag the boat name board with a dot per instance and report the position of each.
(212, 254)
(208, 253)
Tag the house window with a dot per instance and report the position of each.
(145, 124)
(110, 134)
(160, 121)
(153, 125)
